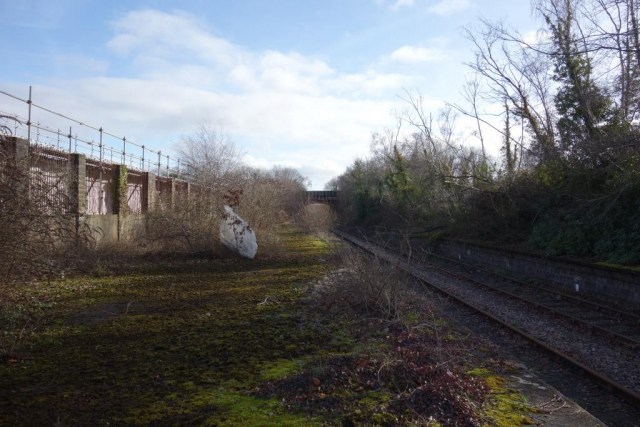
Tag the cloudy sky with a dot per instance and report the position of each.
(298, 82)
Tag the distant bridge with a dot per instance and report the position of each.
(327, 197)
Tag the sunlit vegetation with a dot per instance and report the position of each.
(236, 342)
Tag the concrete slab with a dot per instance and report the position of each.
(553, 408)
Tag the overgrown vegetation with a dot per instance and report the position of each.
(218, 177)
(38, 241)
(167, 342)
(410, 366)
(316, 217)
(46, 236)
(239, 342)
(567, 181)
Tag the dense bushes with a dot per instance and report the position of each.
(316, 217)
(614, 237)
(264, 198)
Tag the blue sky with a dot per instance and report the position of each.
(297, 83)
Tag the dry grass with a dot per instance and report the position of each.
(368, 285)
(316, 217)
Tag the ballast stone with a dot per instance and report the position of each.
(236, 234)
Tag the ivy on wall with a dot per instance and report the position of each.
(120, 190)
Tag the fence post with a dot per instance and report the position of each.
(159, 160)
(101, 190)
(173, 193)
(29, 119)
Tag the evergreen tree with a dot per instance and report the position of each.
(585, 112)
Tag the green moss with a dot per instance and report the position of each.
(370, 410)
(175, 342)
(280, 369)
(217, 407)
(506, 407)
(619, 266)
(372, 399)
(194, 343)
(235, 409)
(411, 317)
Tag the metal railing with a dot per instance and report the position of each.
(91, 141)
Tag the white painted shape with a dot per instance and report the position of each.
(236, 234)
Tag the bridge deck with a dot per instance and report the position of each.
(321, 195)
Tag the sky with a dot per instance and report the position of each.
(295, 83)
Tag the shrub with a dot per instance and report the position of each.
(316, 217)
(367, 285)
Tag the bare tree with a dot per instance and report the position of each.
(519, 75)
(212, 154)
(219, 177)
(471, 92)
(332, 185)
(290, 178)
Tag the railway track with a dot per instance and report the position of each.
(599, 318)
(608, 321)
(505, 295)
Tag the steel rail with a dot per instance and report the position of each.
(537, 304)
(624, 392)
(579, 300)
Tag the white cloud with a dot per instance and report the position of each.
(447, 7)
(400, 3)
(536, 37)
(415, 54)
(177, 48)
(283, 107)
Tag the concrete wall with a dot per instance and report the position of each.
(105, 227)
(604, 281)
(131, 226)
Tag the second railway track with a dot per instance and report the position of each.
(600, 318)
(605, 320)
(606, 356)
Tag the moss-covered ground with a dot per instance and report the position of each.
(174, 343)
(222, 342)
